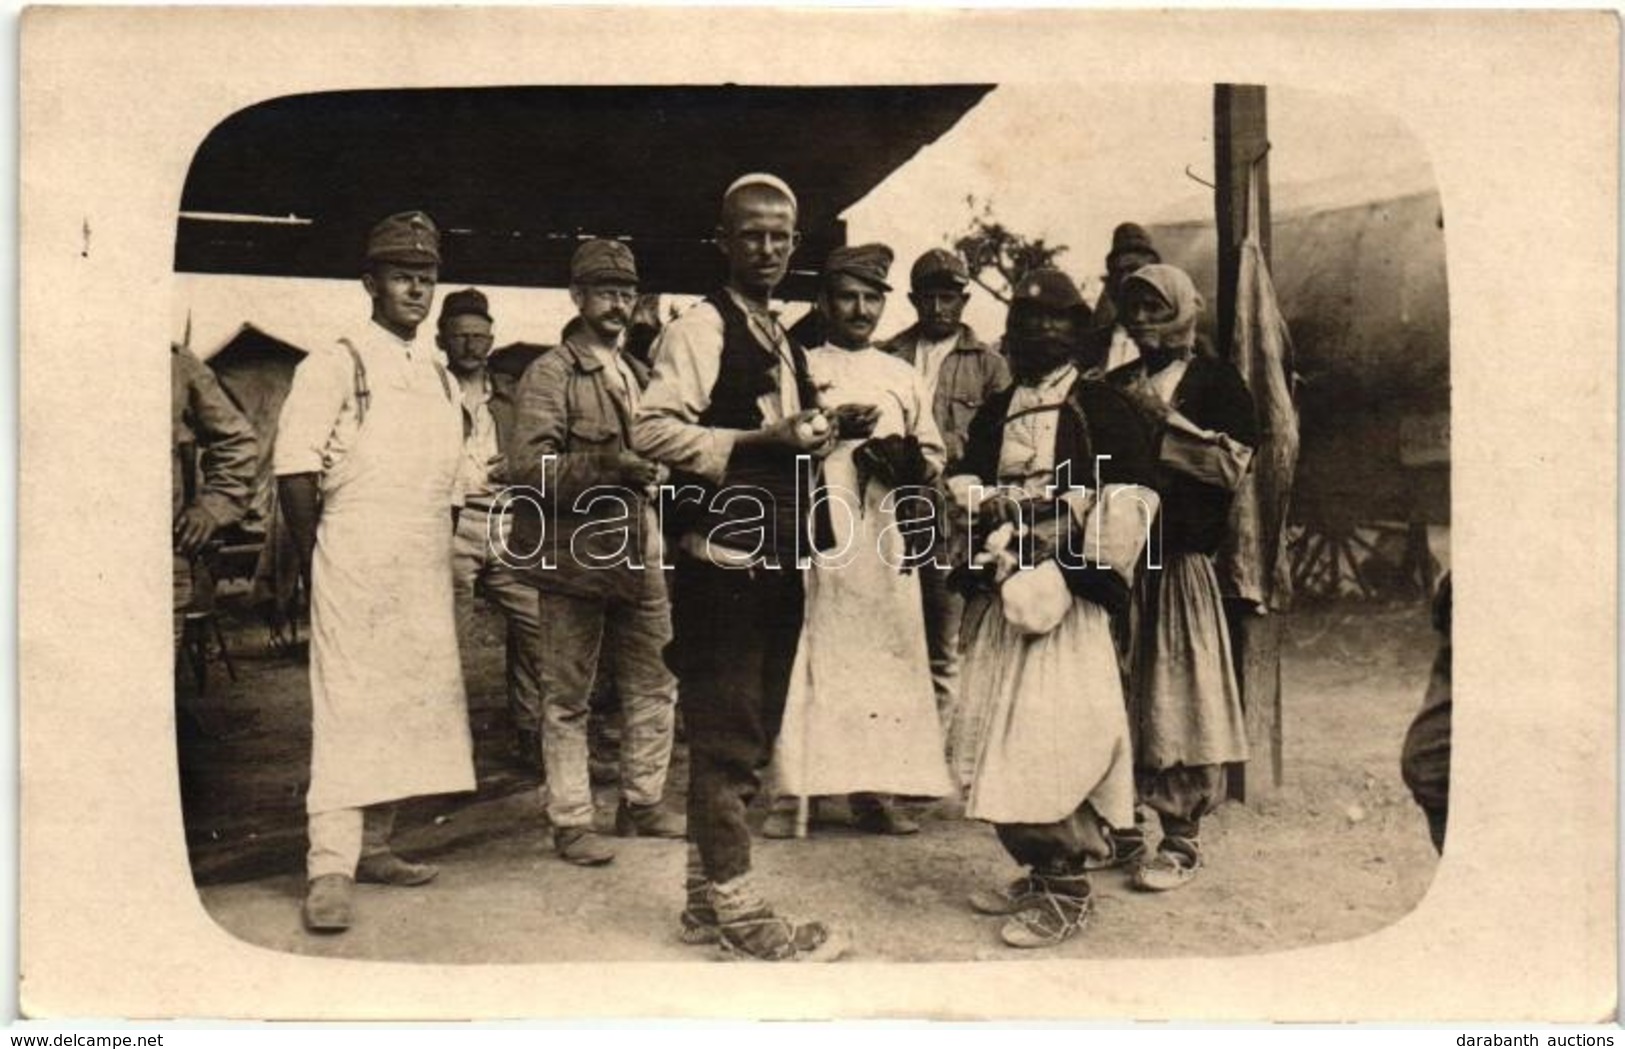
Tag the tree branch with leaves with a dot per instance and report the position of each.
(996, 255)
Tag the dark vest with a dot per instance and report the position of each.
(766, 475)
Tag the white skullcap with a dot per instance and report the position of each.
(762, 178)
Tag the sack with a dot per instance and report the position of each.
(1116, 525)
(1035, 600)
(1212, 458)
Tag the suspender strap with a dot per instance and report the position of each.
(445, 382)
(363, 395)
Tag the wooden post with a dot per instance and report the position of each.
(1241, 138)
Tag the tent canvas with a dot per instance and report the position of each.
(1363, 290)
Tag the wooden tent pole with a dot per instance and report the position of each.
(1241, 145)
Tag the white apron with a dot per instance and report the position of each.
(861, 713)
(388, 717)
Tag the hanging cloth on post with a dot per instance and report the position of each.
(1252, 563)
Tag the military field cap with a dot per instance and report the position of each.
(869, 263)
(939, 268)
(1047, 287)
(603, 262)
(1132, 238)
(469, 302)
(408, 237)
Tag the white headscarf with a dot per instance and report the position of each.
(1179, 291)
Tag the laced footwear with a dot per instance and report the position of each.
(1004, 899)
(1175, 864)
(699, 917)
(1128, 850)
(327, 903)
(386, 868)
(748, 928)
(648, 821)
(1058, 911)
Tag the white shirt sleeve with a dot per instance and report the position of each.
(687, 358)
(316, 402)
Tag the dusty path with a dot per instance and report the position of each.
(1338, 853)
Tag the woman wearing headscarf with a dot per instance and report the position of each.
(1185, 704)
(1040, 738)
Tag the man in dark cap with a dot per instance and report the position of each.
(961, 373)
(1047, 318)
(861, 718)
(1108, 344)
(597, 572)
(465, 336)
(731, 405)
(1041, 738)
(372, 433)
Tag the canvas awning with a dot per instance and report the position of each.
(516, 176)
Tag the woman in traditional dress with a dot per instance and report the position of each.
(1041, 737)
(861, 714)
(1185, 702)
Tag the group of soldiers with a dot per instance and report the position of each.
(1042, 634)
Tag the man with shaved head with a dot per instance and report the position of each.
(730, 408)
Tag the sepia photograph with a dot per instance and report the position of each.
(962, 514)
(566, 754)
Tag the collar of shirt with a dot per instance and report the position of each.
(1052, 388)
(476, 389)
(381, 336)
(929, 355)
(764, 324)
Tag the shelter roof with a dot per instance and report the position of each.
(515, 176)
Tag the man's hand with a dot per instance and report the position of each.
(636, 471)
(194, 526)
(809, 431)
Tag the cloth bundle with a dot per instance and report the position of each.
(896, 462)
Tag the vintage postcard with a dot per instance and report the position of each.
(998, 502)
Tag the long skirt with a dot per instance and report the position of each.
(1041, 726)
(1186, 703)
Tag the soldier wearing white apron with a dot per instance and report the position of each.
(372, 431)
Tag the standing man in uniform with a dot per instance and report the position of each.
(601, 587)
(961, 373)
(366, 462)
(731, 405)
(487, 402)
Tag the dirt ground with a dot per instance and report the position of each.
(1337, 852)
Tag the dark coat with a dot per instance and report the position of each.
(1096, 420)
(1195, 515)
(567, 406)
